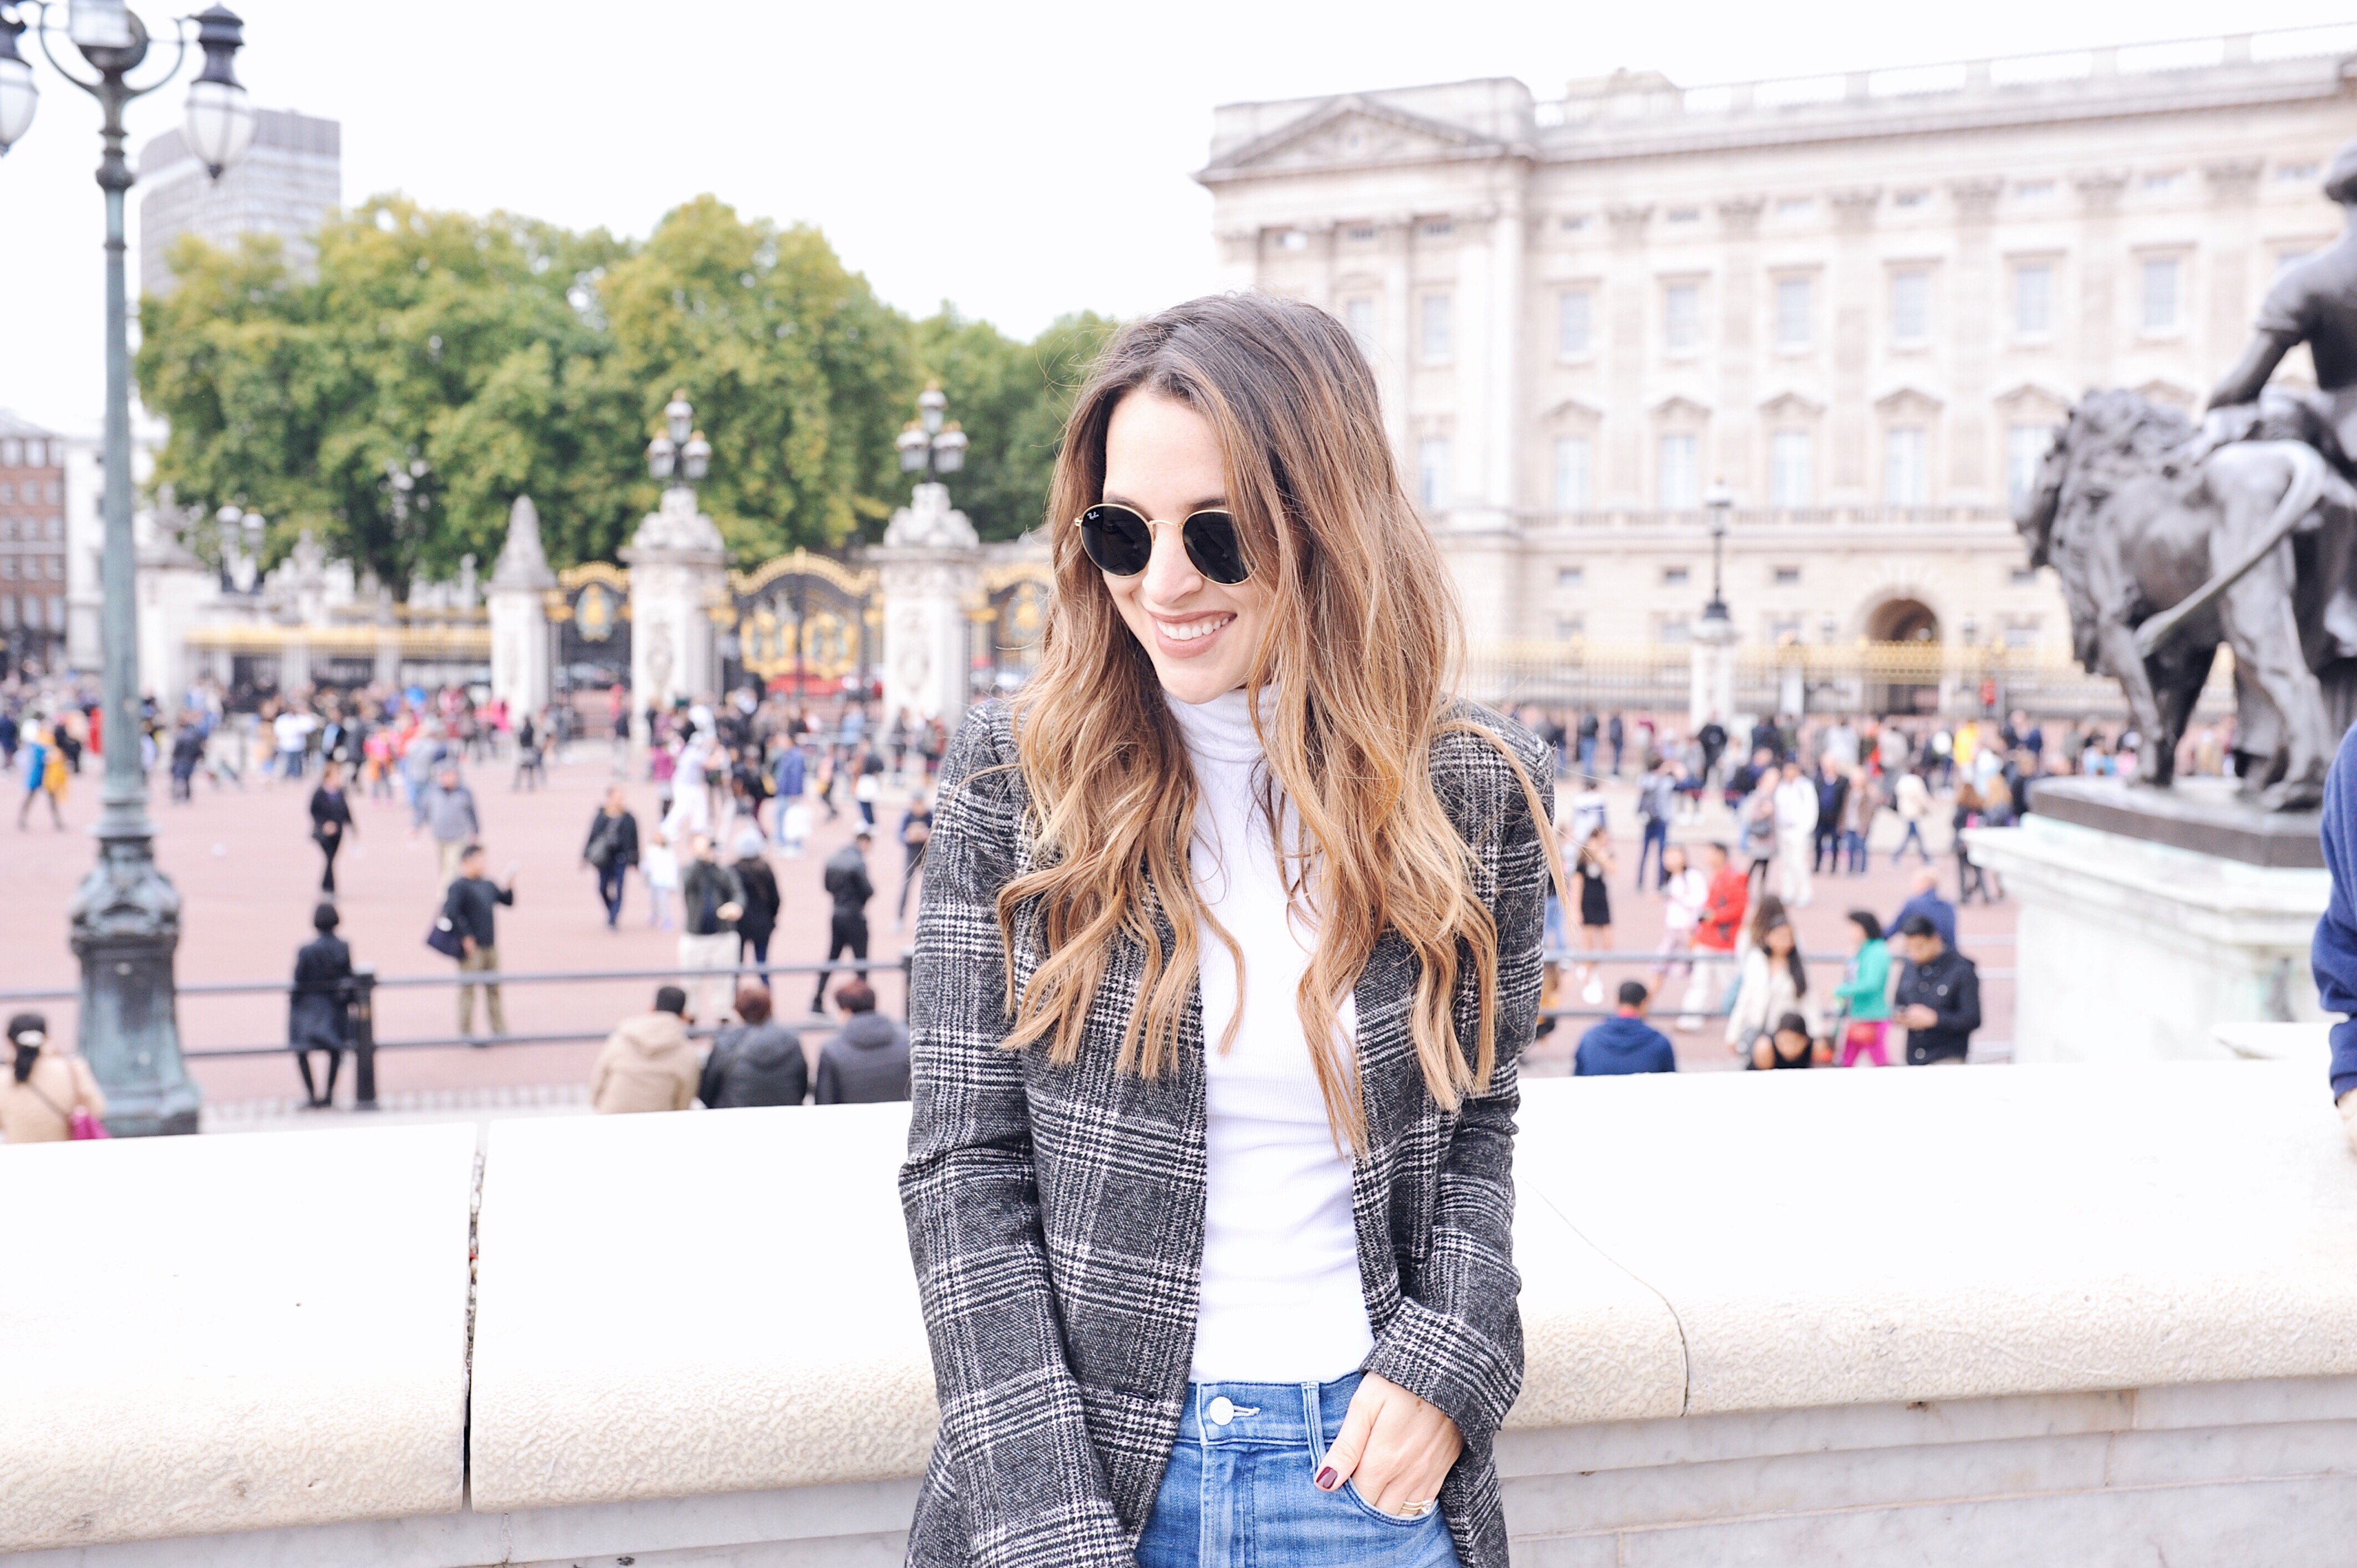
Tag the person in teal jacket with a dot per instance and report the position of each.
(1863, 993)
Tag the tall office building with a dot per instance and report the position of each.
(289, 180)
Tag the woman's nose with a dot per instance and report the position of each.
(1171, 574)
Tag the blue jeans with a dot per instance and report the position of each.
(1656, 842)
(1239, 1492)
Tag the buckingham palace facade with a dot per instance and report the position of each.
(1856, 305)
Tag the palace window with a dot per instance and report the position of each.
(1675, 576)
(1912, 198)
(1792, 312)
(1911, 307)
(1907, 466)
(1571, 470)
(1684, 215)
(2033, 300)
(1682, 317)
(1439, 229)
(1292, 240)
(1574, 224)
(1570, 576)
(1358, 315)
(1789, 452)
(2025, 450)
(1795, 207)
(1432, 472)
(2296, 171)
(11, 454)
(1574, 312)
(1436, 334)
(1570, 628)
(2162, 276)
(1680, 475)
(1363, 235)
(1787, 576)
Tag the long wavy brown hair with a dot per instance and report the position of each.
(1350, 687)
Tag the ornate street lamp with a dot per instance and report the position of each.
(1717, 625)
(125, 916)
(927, 448)
(679, 455)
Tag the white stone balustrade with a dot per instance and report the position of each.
(2084, 1314)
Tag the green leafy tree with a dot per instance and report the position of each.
(394, 404)
(1011, 398)
(795, 369)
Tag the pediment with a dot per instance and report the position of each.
(1571, 411)
(1348, 131)
(1790, 405)
(2168, 393)
(2051, 405)
(1908, 400)
(1681, 410)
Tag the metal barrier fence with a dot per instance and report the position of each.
(365, 982)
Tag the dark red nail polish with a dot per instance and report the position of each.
(1326, 1479)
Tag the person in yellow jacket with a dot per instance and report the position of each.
(648, 1063)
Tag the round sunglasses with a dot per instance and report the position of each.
(1121, 542)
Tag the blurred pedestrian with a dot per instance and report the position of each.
(867, 1060)
(331, 822)
(647, 1063)
(1789, 1045)
(1863, 994)
(759, 920)
(846, 883)
(1925, 900)
(529, 771)
(915, 829)
(1657, 803)
(451, 818)
(711, 901)
(1773, 982)
(611, 849)
(1724, 904)
(793, 810)
(319, 1008)
(1594, 869)
(1624, 1043)
(761, 1062)
(1911, 798)
(1686, 892)
(1938, 997)
(49, 1095)
(1796, 833)
(45, 773)
(661, 869)
(471, 906)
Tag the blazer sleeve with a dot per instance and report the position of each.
(1457, 1339)
(1014, 1452)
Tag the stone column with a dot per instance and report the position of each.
(1509, 246)
(1857, 295)
(1398, 329)
(2234, 186)
(2099, 233)
(1627, 300)
(930, 564)
(1972, 452)
(1735, 425)
(678, 572)
(520, 663)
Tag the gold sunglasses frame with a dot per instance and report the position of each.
(1151, 524)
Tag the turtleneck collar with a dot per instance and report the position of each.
(1222, 729)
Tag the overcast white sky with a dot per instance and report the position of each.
(1021, 159)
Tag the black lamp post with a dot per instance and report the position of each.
(126, 915)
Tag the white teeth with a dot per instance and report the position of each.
(1188, 631)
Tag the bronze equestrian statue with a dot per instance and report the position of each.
(2172, 540)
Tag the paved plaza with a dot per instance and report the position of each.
(247, 873)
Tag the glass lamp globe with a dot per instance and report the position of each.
(662, 454)
(930, 404)
(220, 123)
(949, 450)
(680, 418)
(19, 96)
(696, 457)
(911, 442)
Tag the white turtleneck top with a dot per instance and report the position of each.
(1281, 1299)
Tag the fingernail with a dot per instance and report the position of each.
(1326, 1479)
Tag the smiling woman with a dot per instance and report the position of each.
(1214, 1269)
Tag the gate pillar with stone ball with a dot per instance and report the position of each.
(930, 564)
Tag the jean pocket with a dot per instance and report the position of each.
(1397, 1521)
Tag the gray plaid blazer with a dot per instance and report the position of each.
(1056, 1213)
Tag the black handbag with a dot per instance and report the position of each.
(442, 935)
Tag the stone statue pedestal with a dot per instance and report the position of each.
(2150, 920)
(520, 662)
(679, 575)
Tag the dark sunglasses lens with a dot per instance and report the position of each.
(1212, 545)
(1117, 540)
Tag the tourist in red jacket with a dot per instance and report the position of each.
(1722, 917)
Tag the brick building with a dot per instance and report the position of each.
(32, 545)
